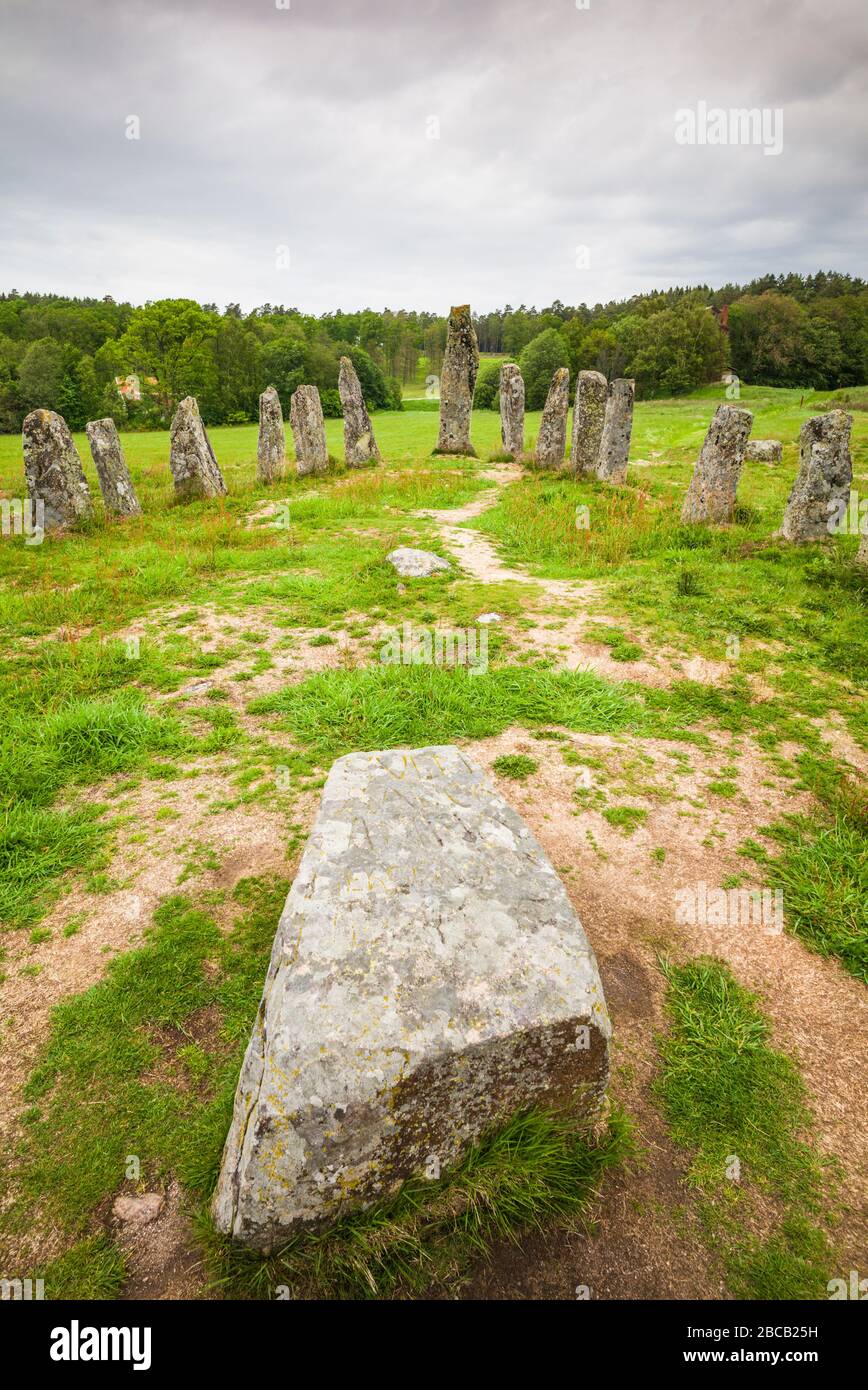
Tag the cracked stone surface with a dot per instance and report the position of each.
(457, 383)
(115, 482)
(552, 439)
(617, 429)
(711, 495)
(52, 468)
(360, 445)
(823, 481)
(429, 978)
(589, 414)
(271, 444)
(191, 458)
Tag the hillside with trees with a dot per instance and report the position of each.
(71, 354)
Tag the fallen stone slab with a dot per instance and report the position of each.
(52, 468)
(551, 441)
(271, 444)
(191, 458)
(589, 414)
(416, 564)
(457, 383)
(763, 451)
(429, 979)
(823, 481)
(711, 495)
(360, 446)
(115, 482)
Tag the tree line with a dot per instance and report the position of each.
(93, 357)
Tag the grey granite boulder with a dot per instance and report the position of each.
(429, 979)
(763, 451)
(617, 429)
(589, 414)
(271, 445)
(512, 409)
(416, 564)
(457, 383)
(115, 482)
(308, 431)
(711, 494)
(360, 446)
(52, 468)
(191, 458)
(551, 444)
(823, 480)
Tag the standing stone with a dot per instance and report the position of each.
(360, 446)
(457, 384)
(271, 447)
(512, 409)
(823, 480)
(711, 494)
(617, 428)
(53, 470)
(191, 457)
(552, 442)
(429, 979)
(115, 483)
(308, 431)
(589, 413)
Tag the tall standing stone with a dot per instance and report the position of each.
(551, 444)
(711, 494)
(271, 446)
(589, 413)
(512, 409)
(308, 431)
(191, 457)
(360, 446)
(823, 480)
(617, 429)
(429, 979)
(457, 384)
(53, 470)
(115, 482)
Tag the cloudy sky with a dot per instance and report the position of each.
(420, 153)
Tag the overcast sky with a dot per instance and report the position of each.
(309, 128)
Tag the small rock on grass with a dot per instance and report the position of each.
(416, 564)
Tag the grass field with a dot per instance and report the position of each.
(663, 704)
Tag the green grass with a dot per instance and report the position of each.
(728, 1093)
(517, 766)
(537, 1170)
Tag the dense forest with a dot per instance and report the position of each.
(94, 357)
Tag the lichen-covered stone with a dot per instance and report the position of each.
(416, 564)
(589, 414)
(308, 431)
(551, 444)
(512, 409)
(115, 482)
(53, 470)
(824, 477)
(271, 446)
(191, 458)
(763, 451)
(360, 446)
(711, 494)
(457, 383)
(429, 978)
(617, 429)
